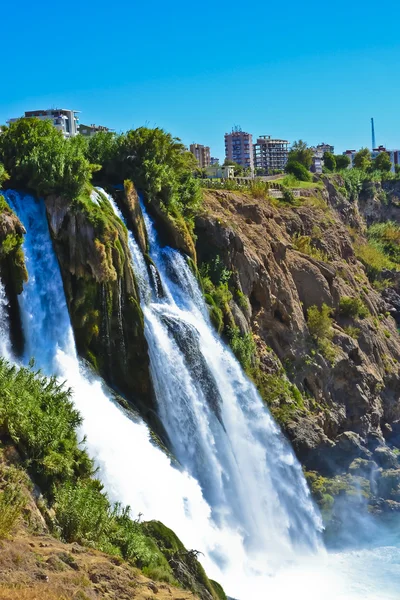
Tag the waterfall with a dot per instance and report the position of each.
(241, 498)
(5, 349)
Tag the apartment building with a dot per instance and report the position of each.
(322, 148)
(90, 130)
(270, 154)
(214, 161)
(63, 119)
(394, 155)
(202, 154)
(239, 148)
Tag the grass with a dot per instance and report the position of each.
(291, 181)
(304, 244)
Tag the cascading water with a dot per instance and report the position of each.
(221, 432)
(218, 429)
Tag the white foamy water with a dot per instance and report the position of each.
(241, 499)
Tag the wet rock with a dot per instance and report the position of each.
(386, 458)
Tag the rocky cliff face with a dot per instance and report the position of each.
(12, 267)
(92, 248)
(285, 260)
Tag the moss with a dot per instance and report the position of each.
(193, 575)
(218, 590)
(283, 398)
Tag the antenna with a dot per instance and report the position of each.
(373, 134)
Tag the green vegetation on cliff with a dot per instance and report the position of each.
(39, 159)
(38, 416)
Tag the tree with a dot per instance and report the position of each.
(300, 153)
(329, 161)
(160, 166)
(342, 161)
(298, 170)
(38, 158)
(238, 170)
(362, 159)
(382, 162)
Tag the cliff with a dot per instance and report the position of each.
(92, 248)
(326, 349)
(13, 272)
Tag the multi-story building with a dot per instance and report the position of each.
(322, 148)
(90, 130)
(214, 161)
(270, 154)
(394, 155)
(202, 154)
(64, 120)
(351, 154)
(239, 148)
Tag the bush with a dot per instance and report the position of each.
(243, 346)
(352, 331)
(259, 189)
(330, 161)
(298, 170)
(386, 237)
(373, 258)
(39, 416)
(352, 307)
(319, 321)
(3, 175)
(303, 243)
(12, 497)
(342, 161)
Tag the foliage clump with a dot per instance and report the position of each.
(304, 243)
(38, 158)
(158, 164)
(38, 416)
(352, 307)
(319, 321)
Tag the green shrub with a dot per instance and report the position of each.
(13, 480)
(304, 243)
(386, 237)
(243, 346)
(3, 175)
(259, 189)
(373, 258)
(298, 170)
(319, 321)
(39, 416)
(288, 196)
(352, 331)
(352, 307)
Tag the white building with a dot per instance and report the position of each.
(63, 119)
(394, 156)
(217, 172)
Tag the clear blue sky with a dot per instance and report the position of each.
(316, 70)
